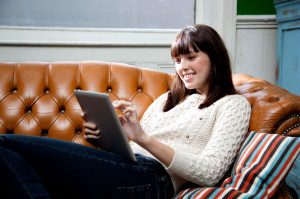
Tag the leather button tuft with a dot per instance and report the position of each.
(44, 132)
(62, 110)
(109, 90)
(139, 90)
(273, 98)
(47, 92)
(257, 89)
(15, 91)
(29, 111)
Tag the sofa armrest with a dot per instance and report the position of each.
(274, 109)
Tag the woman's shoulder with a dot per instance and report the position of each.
(160, 101)
(162, 98)
(236, 99)
(234, 105)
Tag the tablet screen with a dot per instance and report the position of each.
(100, 111)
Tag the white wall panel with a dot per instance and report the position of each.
(140, 47)
(256, 46)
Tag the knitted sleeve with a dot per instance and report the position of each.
(229, 130)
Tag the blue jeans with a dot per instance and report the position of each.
(36, 167)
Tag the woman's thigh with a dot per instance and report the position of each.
(83, 172)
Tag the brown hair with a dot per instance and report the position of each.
(202, 38)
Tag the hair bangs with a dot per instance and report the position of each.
(183, 44)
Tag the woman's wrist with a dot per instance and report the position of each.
(144, 140)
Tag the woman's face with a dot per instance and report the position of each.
(193, 69)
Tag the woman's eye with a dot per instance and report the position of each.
(177, 60)
(190, 58)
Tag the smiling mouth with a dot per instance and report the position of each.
(188, 76)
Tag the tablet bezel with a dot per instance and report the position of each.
(99, 110)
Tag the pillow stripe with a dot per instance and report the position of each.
(287, 161)
(274, 181)
(205, 193)
(223, 193)
(279, 171)
(266, 178)
(263, 162)
(250, 153)
(232, 193)
(279, 161)
(199, 194)
(212, 193)
(188, 193)
(256, 153)
(242, 149)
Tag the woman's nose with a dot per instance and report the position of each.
(184, 64)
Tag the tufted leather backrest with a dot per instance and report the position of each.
(38, 98)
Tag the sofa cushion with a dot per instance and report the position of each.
(263, 162)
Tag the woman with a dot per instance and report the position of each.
(188, 135)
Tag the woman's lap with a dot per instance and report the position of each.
(83, 171)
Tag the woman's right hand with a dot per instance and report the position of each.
(91, 133)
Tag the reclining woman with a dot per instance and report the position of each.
(190, 134)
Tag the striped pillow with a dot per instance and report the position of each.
(262, 163)
(292, 180)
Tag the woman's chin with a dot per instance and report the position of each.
(189, 86)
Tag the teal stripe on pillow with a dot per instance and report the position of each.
(259, 160)
(269, 168)
(262, 164)
(293, 178)
(245, 160)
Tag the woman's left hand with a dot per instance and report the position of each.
(130, 121)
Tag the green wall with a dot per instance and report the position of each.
(255, 7)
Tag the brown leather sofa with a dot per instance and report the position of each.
(37, 98)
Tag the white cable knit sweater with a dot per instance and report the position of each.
(205, 141)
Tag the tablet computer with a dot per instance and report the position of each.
(100, 111)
